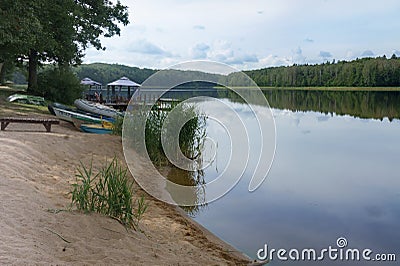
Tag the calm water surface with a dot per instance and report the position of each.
(333, 176)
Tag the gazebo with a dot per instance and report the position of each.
(124, 85)
(90, 95)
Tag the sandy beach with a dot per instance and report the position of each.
(38, 169)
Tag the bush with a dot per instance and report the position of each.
(109, 192)
(59, 85)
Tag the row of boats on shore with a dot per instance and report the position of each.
(89, 116)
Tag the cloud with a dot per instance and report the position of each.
(367, 53)
(260, 12)
(241, 59)
(199, 51)
(325, 54)
(396, 52)
(146, 47)
(298, 56)
(274, 60)
(308, 40)
(222, 51)
(199, 27)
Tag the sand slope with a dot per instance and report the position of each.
(37, 169)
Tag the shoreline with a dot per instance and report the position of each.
(39, 169)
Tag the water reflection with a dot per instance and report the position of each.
(189, 178)
(335, 174)
(363, 104)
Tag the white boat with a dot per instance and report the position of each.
(96, 108)
(73, 116)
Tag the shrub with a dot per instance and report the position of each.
(108, 192)
(59, 85)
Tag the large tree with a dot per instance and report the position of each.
(57, 31)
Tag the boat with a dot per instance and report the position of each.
(96, 129)
(96, 108)
(72, 116)
(28, 99)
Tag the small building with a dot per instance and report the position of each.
(121, 90)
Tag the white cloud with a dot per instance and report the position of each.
(222, 51)
(199, 51)
(298, 57)
(274, 60)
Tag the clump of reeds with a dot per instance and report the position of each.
(108, 192)
(117, 125)
(191, 135)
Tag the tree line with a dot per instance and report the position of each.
(365, 72)
(106, 73)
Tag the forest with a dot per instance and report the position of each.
(364, 72)
(106, 73)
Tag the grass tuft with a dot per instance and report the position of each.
(108, 192)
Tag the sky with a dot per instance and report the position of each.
(252, 34)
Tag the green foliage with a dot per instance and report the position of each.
(106, 73)
(365, 72)
(117, 125)
(56, 31)
(191, 136)
(108, 192)
(59, 85)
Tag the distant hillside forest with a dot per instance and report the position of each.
(106, 73)
(365, 72)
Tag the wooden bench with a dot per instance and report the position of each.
(46, 122)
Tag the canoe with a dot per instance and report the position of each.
(66, 112)
(96, 129)
(28, 99)
(71, 116)
(96, 108)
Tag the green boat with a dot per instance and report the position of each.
(28, 99)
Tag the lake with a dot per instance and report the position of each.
(336, 174)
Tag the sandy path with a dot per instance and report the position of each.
(37, 169)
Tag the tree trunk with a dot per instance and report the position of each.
(2, 74)
(32, 71)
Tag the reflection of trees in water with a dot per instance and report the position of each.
(190, 144)
(192, 133)
(195, 179)
(363, 104)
